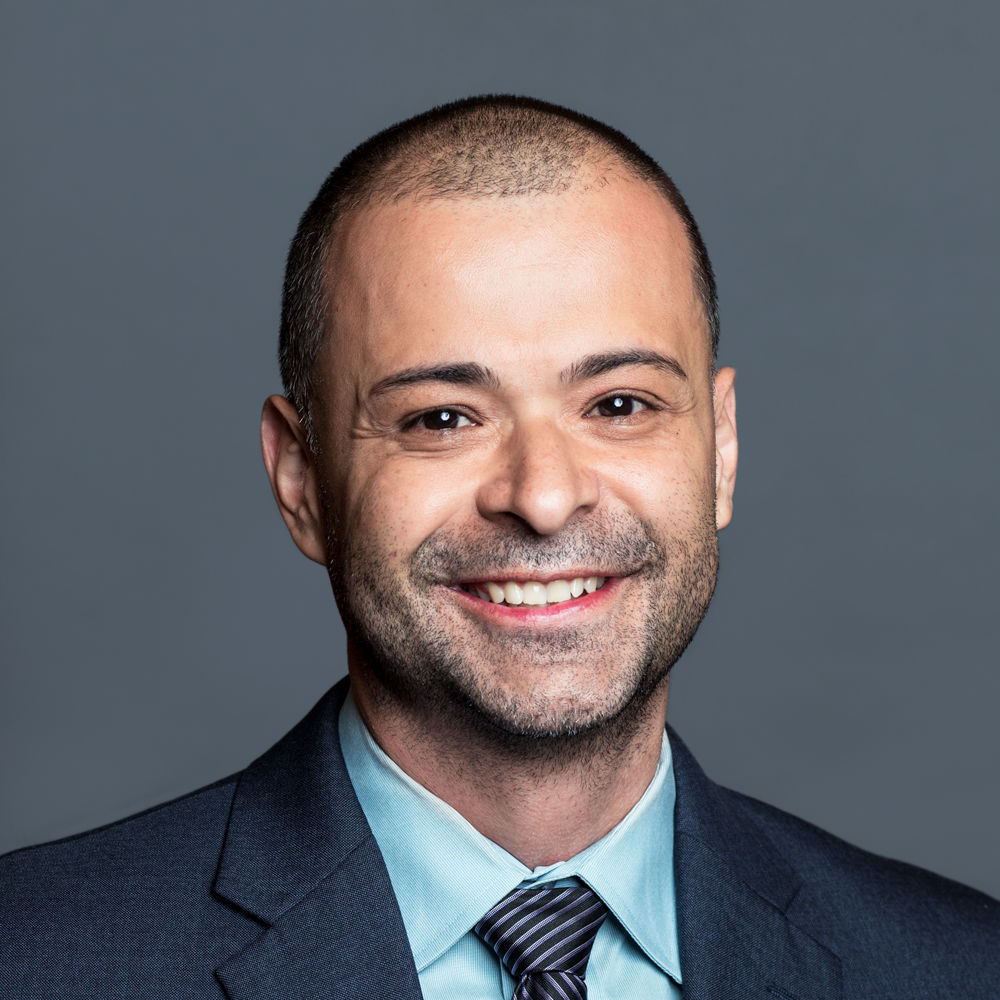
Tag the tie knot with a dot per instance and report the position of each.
(536, 930)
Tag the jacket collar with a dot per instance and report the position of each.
(300, 858)
(733, 891)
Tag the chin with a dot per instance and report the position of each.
(559, 716)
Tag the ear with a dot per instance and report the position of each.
(726, 447)
(291, 468)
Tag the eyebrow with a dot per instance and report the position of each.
(464, 373)
(470, 373)
(599, 364)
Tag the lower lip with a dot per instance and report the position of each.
(538, 614)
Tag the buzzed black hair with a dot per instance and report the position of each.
(493, 146)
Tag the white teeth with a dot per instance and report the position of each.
(533, 593)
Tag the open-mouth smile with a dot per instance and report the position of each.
(533, 593)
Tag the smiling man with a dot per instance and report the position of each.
(505, 437)
(518, 461)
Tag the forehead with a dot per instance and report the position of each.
(512, 280)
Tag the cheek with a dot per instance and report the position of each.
(674, 479)
(398, 503)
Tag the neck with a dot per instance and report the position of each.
(542, 800)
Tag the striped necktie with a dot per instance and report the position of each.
(544, 937)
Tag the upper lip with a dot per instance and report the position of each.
(525, 576)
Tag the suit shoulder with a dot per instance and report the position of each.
(165, 842)
(870, 902)
(139, 886)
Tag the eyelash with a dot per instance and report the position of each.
(624, 396)
(414, 422)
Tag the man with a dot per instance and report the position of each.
(505, 437)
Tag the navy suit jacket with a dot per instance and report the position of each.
(269, 886)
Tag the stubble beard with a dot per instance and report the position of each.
(435, 668)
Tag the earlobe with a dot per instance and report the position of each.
(291, 468)
(726, 445)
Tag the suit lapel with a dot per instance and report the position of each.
(343, 941)
(300, 858)
(733, 890)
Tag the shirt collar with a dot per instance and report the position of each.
(446, 874)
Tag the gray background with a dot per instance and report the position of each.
(160, 630)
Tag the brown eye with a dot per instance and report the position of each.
(618, 406)
(441, 420)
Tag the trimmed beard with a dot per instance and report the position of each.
(419, 666)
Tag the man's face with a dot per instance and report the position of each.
(517, 404)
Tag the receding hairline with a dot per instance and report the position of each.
(423, 169)
(599, 168)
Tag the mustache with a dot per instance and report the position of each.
(616, 547)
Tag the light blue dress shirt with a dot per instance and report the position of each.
(446, 875)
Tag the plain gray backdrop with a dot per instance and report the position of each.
(159, 628)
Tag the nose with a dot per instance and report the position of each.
(541, 477)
